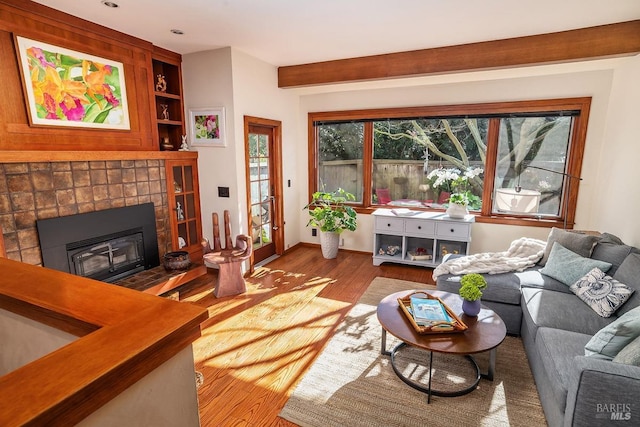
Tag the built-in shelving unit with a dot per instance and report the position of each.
(168, 99)
(184, 206)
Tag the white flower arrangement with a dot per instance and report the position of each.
(452, 179)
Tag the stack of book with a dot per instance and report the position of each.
(429, 315)
(429, 312)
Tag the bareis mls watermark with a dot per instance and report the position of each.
(613, 411)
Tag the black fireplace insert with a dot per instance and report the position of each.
(104, 245)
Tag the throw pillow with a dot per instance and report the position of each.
(608, 341)
(629, 274)
(568, 267)
(611, 249)
(630, 355)
(602, 293)
(582, 244)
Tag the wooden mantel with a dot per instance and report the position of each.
(124, 335)
(16, 156)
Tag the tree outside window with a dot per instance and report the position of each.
(511, 159)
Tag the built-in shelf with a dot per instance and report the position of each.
(168, 102)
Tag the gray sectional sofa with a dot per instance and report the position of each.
(556, 325)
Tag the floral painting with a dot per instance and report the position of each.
(68, 88)
(207, 127)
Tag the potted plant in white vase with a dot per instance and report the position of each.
(458, 205)
(471, 287)
(330, 213)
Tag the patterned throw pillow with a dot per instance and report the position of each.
(602, 293)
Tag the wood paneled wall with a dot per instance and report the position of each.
(37, 22)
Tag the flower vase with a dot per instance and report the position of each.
(471, 308)
(457, 211)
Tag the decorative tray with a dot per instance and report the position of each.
(455, 325)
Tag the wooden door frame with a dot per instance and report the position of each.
(276, 125)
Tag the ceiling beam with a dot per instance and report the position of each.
(604, 41)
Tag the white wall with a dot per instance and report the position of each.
(608, 82)
(617, 187)
(244, 85)
(208, 82)
(248, 86)
(256, 94)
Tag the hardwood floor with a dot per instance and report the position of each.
(255, 347)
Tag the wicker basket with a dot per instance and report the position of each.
(456, 324)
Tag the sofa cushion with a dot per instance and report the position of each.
(557, 350)
(568, 266)
(630, 354)
(532, 278)
(503, 287)
(550, 309)
(602, 293)
(608, 341)
(611, 249)
(629, 274)
(582, 244)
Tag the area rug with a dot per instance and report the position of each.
(352, 384)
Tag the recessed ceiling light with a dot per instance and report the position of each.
(109, 4)
(176, 31)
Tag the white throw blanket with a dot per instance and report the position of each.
(523, 253)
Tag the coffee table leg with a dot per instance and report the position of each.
(383, 349)
(430, 375)
(492, 365)
(429, 390)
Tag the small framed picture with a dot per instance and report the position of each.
(206, 126)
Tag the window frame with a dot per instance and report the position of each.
(573, 166)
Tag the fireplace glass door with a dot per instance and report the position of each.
(109, 259)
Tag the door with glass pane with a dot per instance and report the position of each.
(264, 182)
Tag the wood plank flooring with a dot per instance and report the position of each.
(255, 347)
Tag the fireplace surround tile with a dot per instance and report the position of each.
(40, 190)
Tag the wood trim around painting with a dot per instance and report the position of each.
(41, 23)
(604, 41)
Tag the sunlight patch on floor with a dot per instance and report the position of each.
(247, 351)
(498, 406)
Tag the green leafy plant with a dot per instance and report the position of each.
(471, 286)
(459, 199)
(330, 213)
(466, 198)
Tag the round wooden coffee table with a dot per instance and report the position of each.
(485, 333)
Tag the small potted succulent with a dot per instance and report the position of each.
(471, 287)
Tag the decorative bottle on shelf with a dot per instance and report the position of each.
(166, 144)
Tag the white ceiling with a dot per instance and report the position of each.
(288, 32)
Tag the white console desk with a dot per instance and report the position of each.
(422, 238)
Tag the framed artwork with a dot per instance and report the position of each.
(74, 89)
(207, 127)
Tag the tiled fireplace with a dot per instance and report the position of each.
(33, 191)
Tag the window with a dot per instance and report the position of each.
(516, 162)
